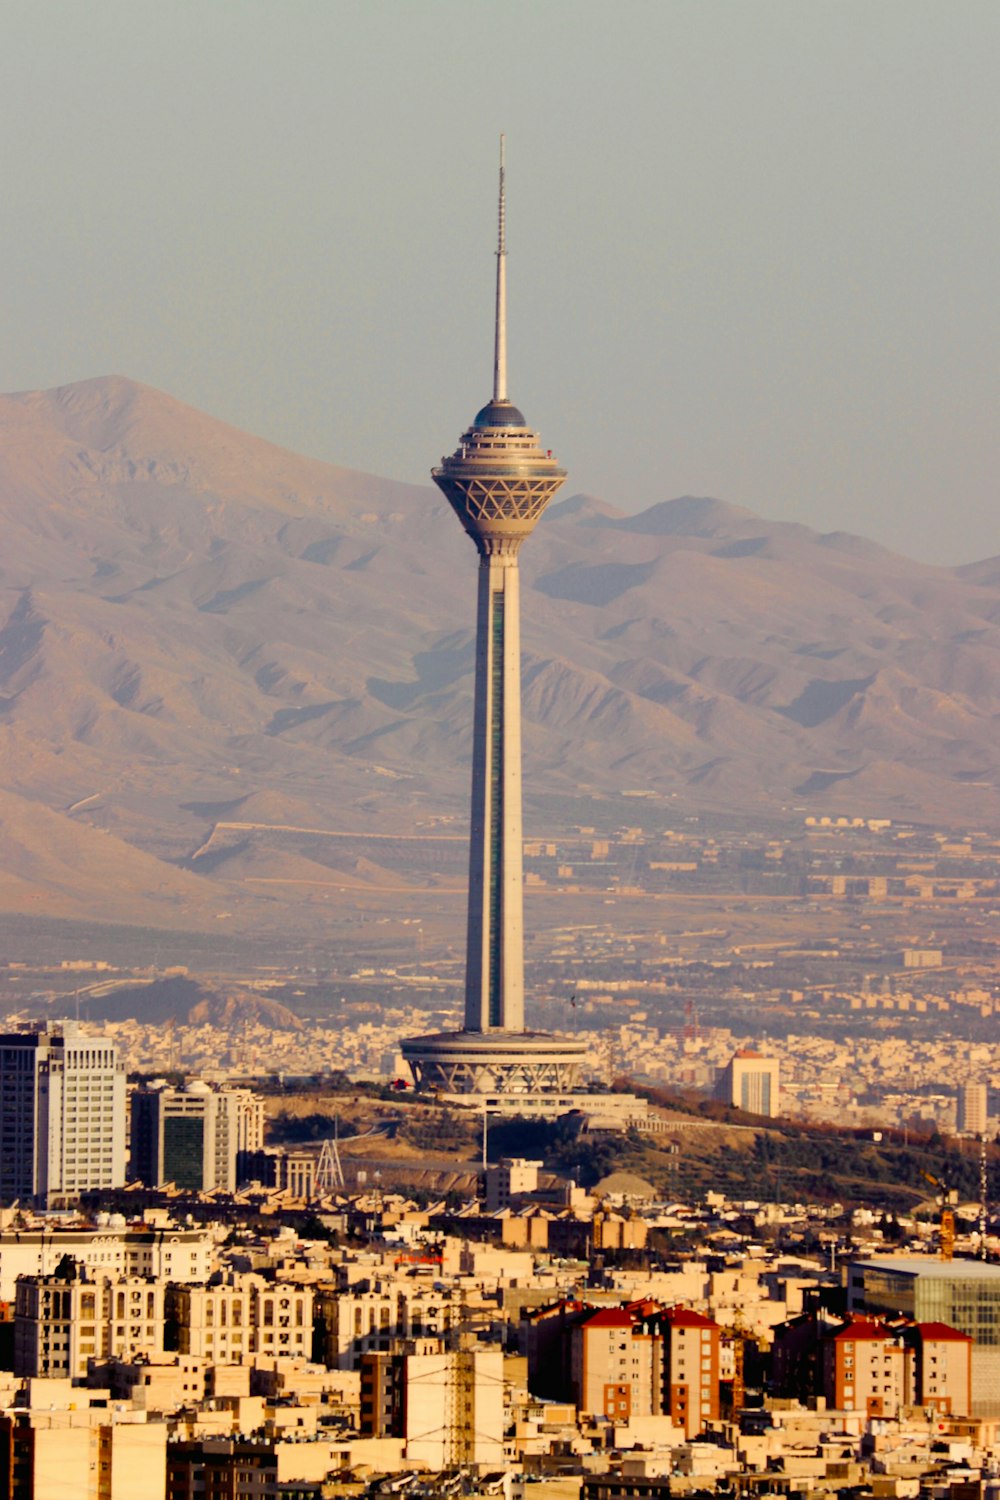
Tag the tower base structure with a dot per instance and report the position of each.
(507, 1063)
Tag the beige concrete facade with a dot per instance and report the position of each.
(943, 1373)
(169, 1254)
(67, 1454)
(513, 1177)
(972, 1113)
(751, 1082)
(358, 1323)
(454, 1411)
(61, 1322)
(243, 1315)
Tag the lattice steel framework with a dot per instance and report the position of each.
(499, 479)
(513, 1076)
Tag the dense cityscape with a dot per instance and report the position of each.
(629, 1130)
(269, 1263)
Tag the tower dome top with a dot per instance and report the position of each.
(501, 413)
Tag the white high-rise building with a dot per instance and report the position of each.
(62, 1115)
(750, 1081)
(972, 1105)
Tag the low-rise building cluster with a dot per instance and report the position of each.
(376, 1346)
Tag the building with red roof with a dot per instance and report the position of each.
(874, 1365)
(943, 1368)
(636, 1360)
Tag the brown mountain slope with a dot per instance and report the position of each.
(193, 620)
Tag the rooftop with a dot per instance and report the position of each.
(931, 1266)
(864, 1328)
(943, 1333)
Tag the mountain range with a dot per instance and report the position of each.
(198, 628)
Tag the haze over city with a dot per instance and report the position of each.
(753, 246)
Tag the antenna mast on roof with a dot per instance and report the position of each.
(500, 343)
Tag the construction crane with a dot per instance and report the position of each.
(946, 1197)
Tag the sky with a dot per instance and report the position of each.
(753, 243)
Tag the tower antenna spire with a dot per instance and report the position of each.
(500, 345)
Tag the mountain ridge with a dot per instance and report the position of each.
(191, 616)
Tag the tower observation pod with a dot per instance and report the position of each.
(498, 482)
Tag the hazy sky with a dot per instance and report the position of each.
(754, 244)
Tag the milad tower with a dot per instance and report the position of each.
(498, 481)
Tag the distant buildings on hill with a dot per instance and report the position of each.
(749, 1081)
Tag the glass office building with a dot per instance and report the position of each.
(965, 1294)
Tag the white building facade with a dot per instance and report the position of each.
(62, 1115)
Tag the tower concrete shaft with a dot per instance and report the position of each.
(494, 984)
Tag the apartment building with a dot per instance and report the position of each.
(446, 1403)
(875, 1366)
(690, 1363)
(42, 1455)
(622, 1363)
(867, 1368)
(943, 1369)
(241, 1314)
(64, 1320)
(358, 1322)
(616, 1367)
(510, 1181)
(112, 1246)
